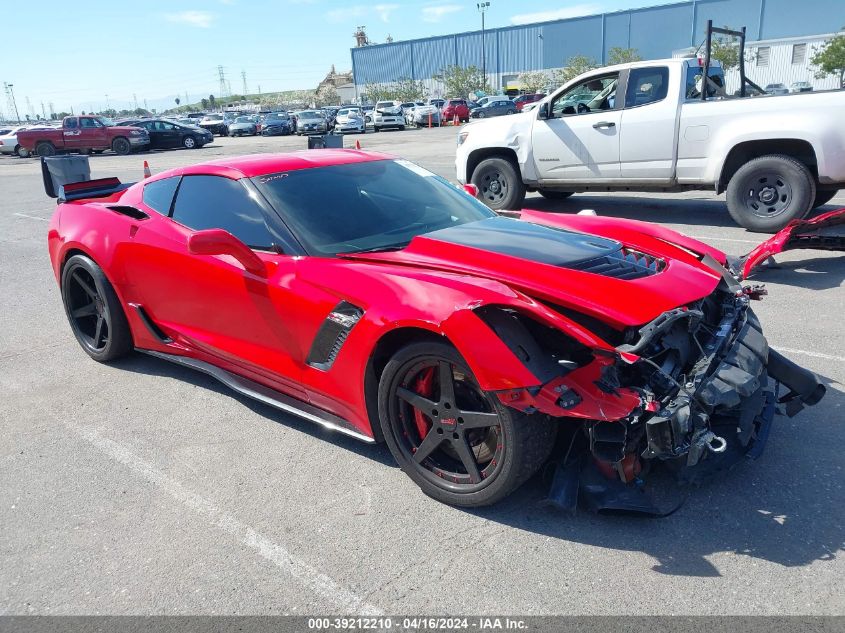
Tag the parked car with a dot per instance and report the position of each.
(494, 108)
(521, 100)
(215, 123)
(438, 103)
(425, 115)
(277, 124)
(455, 108)
(375, 299)
(801, 86)
(388, 114)
(83, 134)
(774, 160)
(776, 89)
(311, 122)
(350, 120)
(9, 142)
(243, 126)
(168, 134)
(368, 111)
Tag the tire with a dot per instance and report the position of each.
(823, 196)
(121, 146)
(375, 129)
(401, 128)
(549, 194)
(481, 115)
(22, 152)
(94, 311)
(499, 184)
(767, 192)
(45, 148)
(503, 446)
(189, 142)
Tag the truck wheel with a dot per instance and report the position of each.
(45, 149)
(550, 194)
(767, 192)
(499, 184)
(823, 196)
(121, 146)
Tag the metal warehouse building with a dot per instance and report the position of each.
(656, 32)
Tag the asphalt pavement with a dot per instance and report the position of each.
(144, 488)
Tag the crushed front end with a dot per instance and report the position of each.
(683, 397)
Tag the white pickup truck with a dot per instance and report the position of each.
(644, 127)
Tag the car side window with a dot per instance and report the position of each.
(158, 195)
(71, 124)
(647, 85)
(214, 202)
(89, 123)
(596, 94)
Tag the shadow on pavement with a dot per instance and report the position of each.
(814, 273)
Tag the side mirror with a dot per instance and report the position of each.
(220, 242)
(543, 111)
(471, 189)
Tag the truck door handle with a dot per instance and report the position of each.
(604, 124)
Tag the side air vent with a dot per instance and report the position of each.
(332, 335)
(625, 264)
(132, 212)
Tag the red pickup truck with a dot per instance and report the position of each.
(84, 134)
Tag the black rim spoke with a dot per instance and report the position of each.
(84, 311)
(416, 400)
(467, 459)
(447, 384)
(431, 442)
(84, 285)
(477, 419)
(98, 332)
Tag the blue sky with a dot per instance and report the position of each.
(158, 49)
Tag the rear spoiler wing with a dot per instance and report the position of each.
(68, 178)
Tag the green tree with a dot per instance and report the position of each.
(619, 55)
(380, 92)
(533, 81)
(577, 65)
(830, 59)
(204, 103)
(725, 50)
(408, 89)
(178, 101)
(327, 95)
(460, 81)
(211, 100)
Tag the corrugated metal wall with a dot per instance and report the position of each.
(655, 32)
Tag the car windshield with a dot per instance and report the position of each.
(243, 119)
(310, 115)
(214, 117)
(276, 117)
(376, 205)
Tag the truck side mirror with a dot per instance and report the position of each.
(543, 110)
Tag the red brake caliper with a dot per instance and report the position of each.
(424, 387)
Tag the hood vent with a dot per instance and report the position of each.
(625, 264)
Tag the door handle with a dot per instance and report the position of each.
(601, 124)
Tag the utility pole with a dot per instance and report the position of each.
(482, 8)
(108, 105)
(135, 100)
(243, 76)
(10, 98)
(145, 106)
(29, 109)
(187, 98)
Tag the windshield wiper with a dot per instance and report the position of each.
(381, 249)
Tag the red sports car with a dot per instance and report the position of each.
(373, 297)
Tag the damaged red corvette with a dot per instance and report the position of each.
(366, 294)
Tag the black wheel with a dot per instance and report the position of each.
(45, 149)
(375, 129)
(481, 115)
(499, 184)
(550, 194)
(97, 151)
(189, 142)
(94, 311)
(767, 192)
(401, 128)
(457, 442)
(823, 196)
(121, 146)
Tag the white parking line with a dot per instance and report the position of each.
(31, 217)
(345, 600)
(789, 350)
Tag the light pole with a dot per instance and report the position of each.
(482, 8)
(108, 105)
